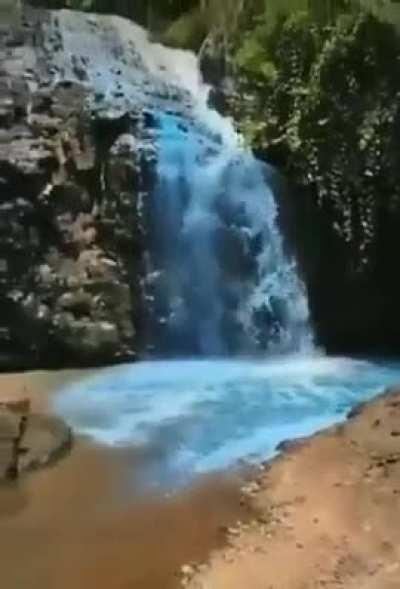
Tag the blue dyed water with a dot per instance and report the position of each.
(195, 417)
(225, 284)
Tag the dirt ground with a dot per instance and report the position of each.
(329, 513)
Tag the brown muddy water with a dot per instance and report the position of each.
(84, 524)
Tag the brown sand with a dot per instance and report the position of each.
(330, 514)
(82, 525)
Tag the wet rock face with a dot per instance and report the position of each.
(74, 175)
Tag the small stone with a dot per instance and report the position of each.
(187, 570)
(234, 531)
(229, 558)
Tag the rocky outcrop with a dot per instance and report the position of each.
(75, 168)
(29, 441)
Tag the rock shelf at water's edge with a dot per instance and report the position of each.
(28, 440)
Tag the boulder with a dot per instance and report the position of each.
(28, 440)
(44, 440)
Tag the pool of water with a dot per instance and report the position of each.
(196, 416)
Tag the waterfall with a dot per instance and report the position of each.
(219, 281)
(225, 283)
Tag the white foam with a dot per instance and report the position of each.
(206, 415)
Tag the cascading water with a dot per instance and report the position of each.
(225, 284)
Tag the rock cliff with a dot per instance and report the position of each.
(76, 164)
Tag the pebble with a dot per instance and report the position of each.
(234, 531)
(229, 558)
(187, 570)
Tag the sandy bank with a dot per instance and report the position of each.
(330, 513)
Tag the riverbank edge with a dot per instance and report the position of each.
(246, 543)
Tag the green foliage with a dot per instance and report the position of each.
(206, 18)
(187, 32)
(252, 57)
(330, 114)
